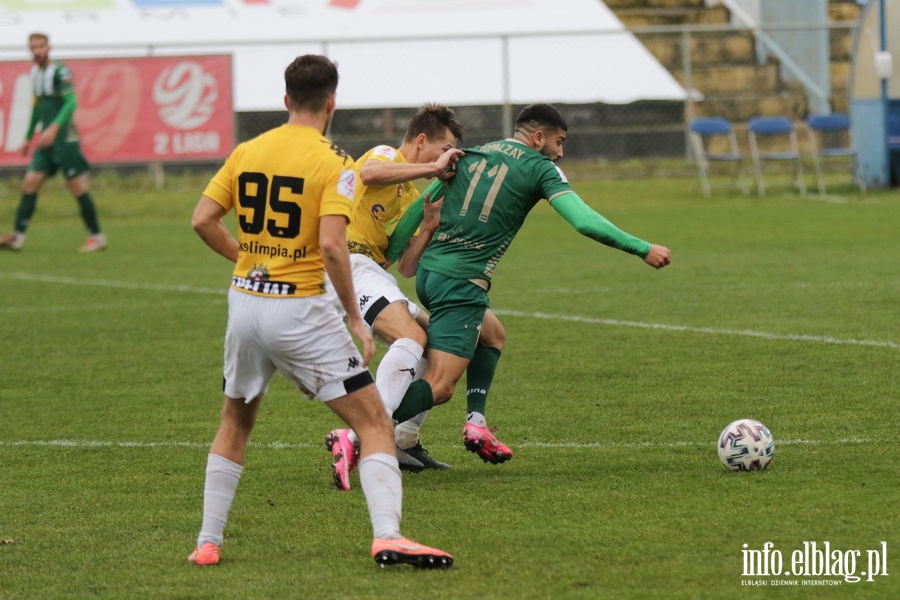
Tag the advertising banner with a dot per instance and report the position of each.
(157, 109)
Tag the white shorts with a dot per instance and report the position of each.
(375, 289)
(303, 338)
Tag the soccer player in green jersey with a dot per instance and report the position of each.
(58, 147)
(495, 187)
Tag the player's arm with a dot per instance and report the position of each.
(592, 224)
(409, 260)
(67, 111)
(63, 118)
(29, 133)
(207, 222)
(381, 172)
(411, 221)
(336, 255)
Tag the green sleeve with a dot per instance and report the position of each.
(590, 223)
(411, 221)
(32, 124)
(67, 110)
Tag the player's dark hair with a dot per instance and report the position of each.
(540, 116)
(309, 81)
(432, 119)
(37, 35)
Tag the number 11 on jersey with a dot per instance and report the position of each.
(497, 172)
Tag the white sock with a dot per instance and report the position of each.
(379, 477)
(222, 478)
(406, 434)
(420, 368)
(396, 372)
(477, 419)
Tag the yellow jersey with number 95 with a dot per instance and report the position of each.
(279, 184)
(378, 208)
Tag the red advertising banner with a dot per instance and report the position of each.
(154, 109)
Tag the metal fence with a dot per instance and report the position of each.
(719, 65)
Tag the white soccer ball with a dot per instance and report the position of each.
(746, 445)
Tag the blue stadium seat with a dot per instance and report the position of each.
(830, 137)
(705, 133)
(781, 146)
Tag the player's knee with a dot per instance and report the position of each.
(77, 187)
(394, 322)
(29, 186)
(239, 416)
(497, 340)
(493, 335)
(416, 334)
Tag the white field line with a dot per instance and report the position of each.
(815, 339)
(708, 330)
(681, 444)
(126, 285)
(304, 445)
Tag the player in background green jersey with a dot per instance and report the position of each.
(58, 147)
(485, 205)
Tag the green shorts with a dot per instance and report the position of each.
(66, 156)
(457, 308)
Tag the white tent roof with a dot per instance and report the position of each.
(391, 53)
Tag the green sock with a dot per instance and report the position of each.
(418, 398)
(479, 376)
(89, 213)
(24, 212)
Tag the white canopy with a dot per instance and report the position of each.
(391, 53)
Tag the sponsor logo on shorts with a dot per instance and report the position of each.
(257, 280)
(363, 301)
(272, 288)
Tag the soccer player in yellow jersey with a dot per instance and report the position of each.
(292, 191)
(384, 191)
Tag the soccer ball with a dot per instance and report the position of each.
(746, 445)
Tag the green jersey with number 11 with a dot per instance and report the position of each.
(495, 187)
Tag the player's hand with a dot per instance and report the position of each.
(48, 136)
(23, 149)
(431, 216)
(658, 257)
(358, 328)
(446, 163)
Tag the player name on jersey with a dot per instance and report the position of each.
(513, 150)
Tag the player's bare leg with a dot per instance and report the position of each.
(224, 467)
(379, 475)
(397, 369)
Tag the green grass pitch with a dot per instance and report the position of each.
(613, 388)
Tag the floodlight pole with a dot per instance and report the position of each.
(507, 103)
(885, 105)
(688, 84)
